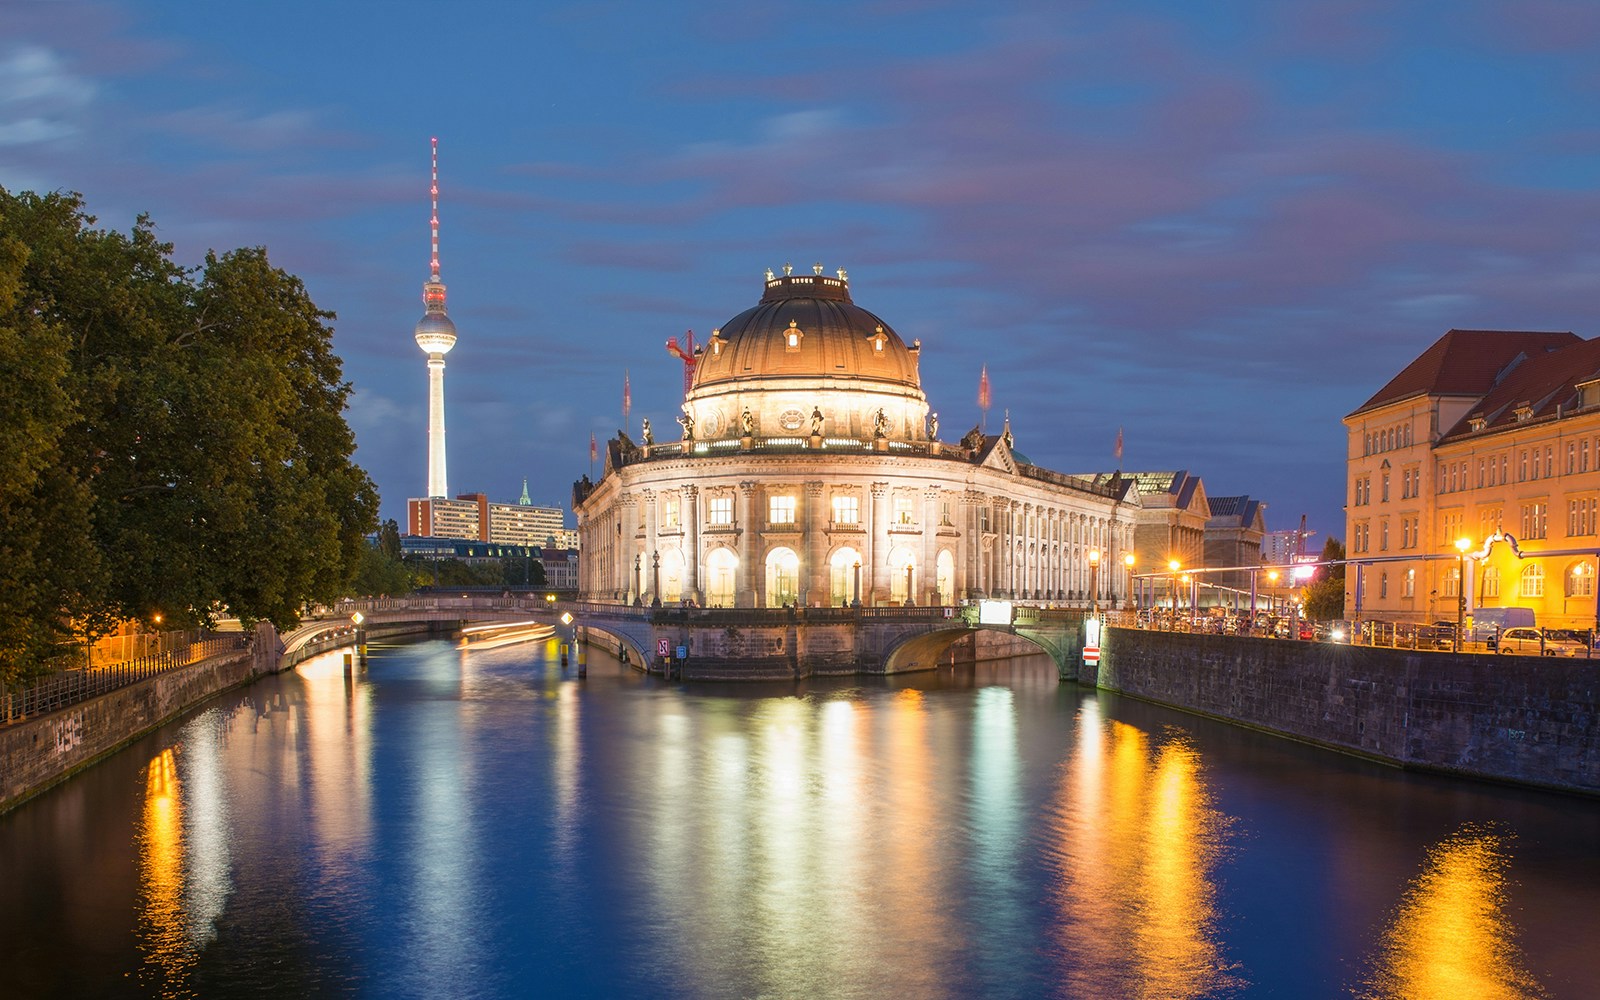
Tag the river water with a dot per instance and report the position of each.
(484, 824)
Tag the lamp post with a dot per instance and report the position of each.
(1128, 562)
(855, 598)
(1462, 545)
(638, 580)
(655, 585)
(1174, 565)
(1094, 583)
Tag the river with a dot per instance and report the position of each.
(485, 824)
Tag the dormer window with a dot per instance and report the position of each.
(1523, 413)
(791, 337)
(1476, 423)
(716, 342)
(879, 339)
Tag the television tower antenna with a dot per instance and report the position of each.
(435, 334)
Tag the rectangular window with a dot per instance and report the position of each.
(1409, 584)
(1452, 581)
(1491, 583)
(902, 510)
(1583, 455)
(1572, 457)
(780, 510)
(669, 512)
(1480, 473)
(1549, 461)
(983, 519)
(944, 512)
(722, 510)
(1522, 469)
(1533, 520)
(846, 510)
(1384, 489)
(1383, 537)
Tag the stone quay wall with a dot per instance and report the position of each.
(1527, 719)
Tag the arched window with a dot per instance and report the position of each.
(1532, 581)
(783, 577)
(946, 577)
(671, 575)
(1580, 580)
(722, 574)
(902, 576)
(842, 569)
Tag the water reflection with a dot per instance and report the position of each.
(1451, 936)
(1136, 842)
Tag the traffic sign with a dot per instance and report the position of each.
(663, 647)
(1091, 655)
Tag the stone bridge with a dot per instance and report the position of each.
(726, 643)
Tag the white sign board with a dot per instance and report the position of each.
(994, 612)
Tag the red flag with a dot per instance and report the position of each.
(594, 449)
(983, 389)
(627, 396)
(1118, 449)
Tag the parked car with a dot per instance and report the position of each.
(1524, 641)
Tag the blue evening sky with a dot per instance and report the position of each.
(1220, 227)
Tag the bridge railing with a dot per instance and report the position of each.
(70, 687)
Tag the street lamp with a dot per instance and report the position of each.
(1128, 561)
(1174, 565)
(1462, 545)
(856, 587)
(1094, 582)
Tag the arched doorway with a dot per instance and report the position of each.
(842, 575)
(671, 576)
(945, 577)
(783, 577)
(902, 575)
(722, 573)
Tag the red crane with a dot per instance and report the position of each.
(685, 353)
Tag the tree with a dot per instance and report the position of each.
(1325, 595)
(175, 440)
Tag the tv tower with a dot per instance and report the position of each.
(436, 335)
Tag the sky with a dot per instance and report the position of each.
(1217, 227)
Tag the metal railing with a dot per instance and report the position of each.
(70, 687)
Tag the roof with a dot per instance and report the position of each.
(1467, 363)
(1541, 383)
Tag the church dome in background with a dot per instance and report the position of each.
(807, 328)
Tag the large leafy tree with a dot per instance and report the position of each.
(1325, 595)
(179, 434)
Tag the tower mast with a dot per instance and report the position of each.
(435, 334)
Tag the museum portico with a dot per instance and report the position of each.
(809, 471)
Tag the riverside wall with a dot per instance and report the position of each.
(1526, 719)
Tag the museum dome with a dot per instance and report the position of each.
(807, 328)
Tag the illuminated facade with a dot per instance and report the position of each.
(472, 517)
(1485, 432)
(809, 472)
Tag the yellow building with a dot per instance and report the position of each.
(1486, 434)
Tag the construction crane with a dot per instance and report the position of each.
(685, 353)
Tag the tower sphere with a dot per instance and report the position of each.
(436, 333)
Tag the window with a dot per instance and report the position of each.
(1580, 582)
(1408, 584)
(669, 512)
(1384, 489)
(1533, 520)
(1583, 455)
(1532, 581)
(1572, 457)
(983, 519)
(1581, 516)
(1522, 463)
(722, 510)
(902, 510)
(1383, 537)
(1383, 584)
(846, 510)
(1549, 461)
(780, 510)
(1491, 582)
(944, 512)
(1452, 582)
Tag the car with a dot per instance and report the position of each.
(1524, 641)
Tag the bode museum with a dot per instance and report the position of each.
(808, 470)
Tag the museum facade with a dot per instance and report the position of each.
(809, 471)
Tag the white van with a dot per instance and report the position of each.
(1489, 622)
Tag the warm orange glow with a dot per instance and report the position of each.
(1094, 557)
(1463, 544)
(1173, 565)
(1127, 560)
(164, 931)
(1452, 936)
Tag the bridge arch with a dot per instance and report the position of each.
(922, 651)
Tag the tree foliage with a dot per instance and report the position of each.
(1325, 595)
(176, 437)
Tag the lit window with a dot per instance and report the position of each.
(780, 510)
(846, 510)
(669, 512)
(1581, 580)
(722, 510)
(902, 510)
(791, 337)
(1409, 584)
(1491, 582)
(1532, 581)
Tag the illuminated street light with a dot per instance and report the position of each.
(1462, 545)
(1174, 565)
(1128, 562)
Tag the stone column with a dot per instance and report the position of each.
(689, 518)
(816, 546)
(928, 572)
(652, 545)
(875, 588)
(748, 592)
(967, 580)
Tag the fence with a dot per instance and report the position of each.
(72, 686)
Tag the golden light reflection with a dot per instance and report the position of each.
(1451, 935)
(1137, 842)
(164, 929)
